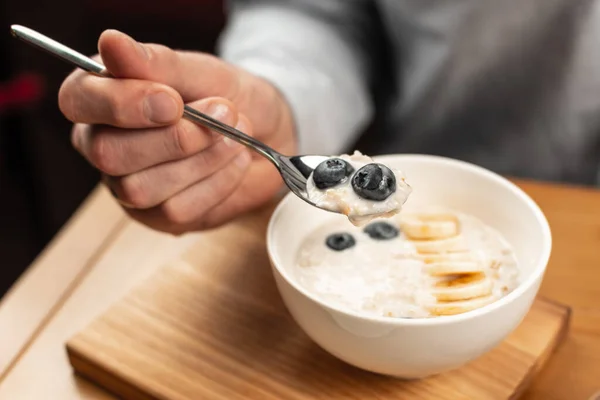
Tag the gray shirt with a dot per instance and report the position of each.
(512, 85)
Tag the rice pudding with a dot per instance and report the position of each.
(422, 264)
(358, 187)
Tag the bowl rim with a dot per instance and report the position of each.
(536, 275)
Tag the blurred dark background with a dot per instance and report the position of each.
(42, 179)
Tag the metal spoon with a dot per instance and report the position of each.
(294, 170)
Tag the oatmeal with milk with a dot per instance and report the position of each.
(358, 187)
(427, 263)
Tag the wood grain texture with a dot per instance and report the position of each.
(55, 272)
(135, 252)
(211, 325)
(573, 278)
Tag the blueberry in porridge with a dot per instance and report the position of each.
(358, 187)
(428, 263)
(340, 241)
(381, 230)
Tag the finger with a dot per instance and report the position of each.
(190, 205)
(125, 103)
(243, 199)
(262, 174)
(194, 75)
(152, 186)
(118, 152)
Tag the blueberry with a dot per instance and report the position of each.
(374, 182)
(381, 231)
(332, 172)
(340, 241)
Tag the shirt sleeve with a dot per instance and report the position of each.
(318, 53)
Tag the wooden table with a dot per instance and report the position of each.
(100, 254)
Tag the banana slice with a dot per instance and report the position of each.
(423, 226)
(462, 288)
(444, 268)
(459, 307)
(429, 258)
(453, 244)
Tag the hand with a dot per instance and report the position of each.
(168, 173)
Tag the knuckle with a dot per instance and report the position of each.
(118, 109)
(222, 187)
(238, 87)
(66, 103)
(233, 177)
(242, 89)
(101, 156)
(230, 178)
(76, 137)
(161, 54)
(182, 136)
(212, 61)
(156, 50)
(175, 215)
(134, 191)
(202, 160)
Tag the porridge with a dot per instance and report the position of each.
(358, 187)
(422, 264)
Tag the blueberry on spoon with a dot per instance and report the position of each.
(381, 231)
(340, 241)
(374, 181)
(331, 173)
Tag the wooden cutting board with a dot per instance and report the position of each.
(211, 325)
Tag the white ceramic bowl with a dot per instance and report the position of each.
(416, 348)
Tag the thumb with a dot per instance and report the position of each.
(194, 75)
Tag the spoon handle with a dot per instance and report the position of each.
(79, 60)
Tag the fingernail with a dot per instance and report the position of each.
(232, 144)
(220, 111)
(243, 160)
(161, 108)
(242, 127)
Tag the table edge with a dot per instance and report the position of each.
(24, 333)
